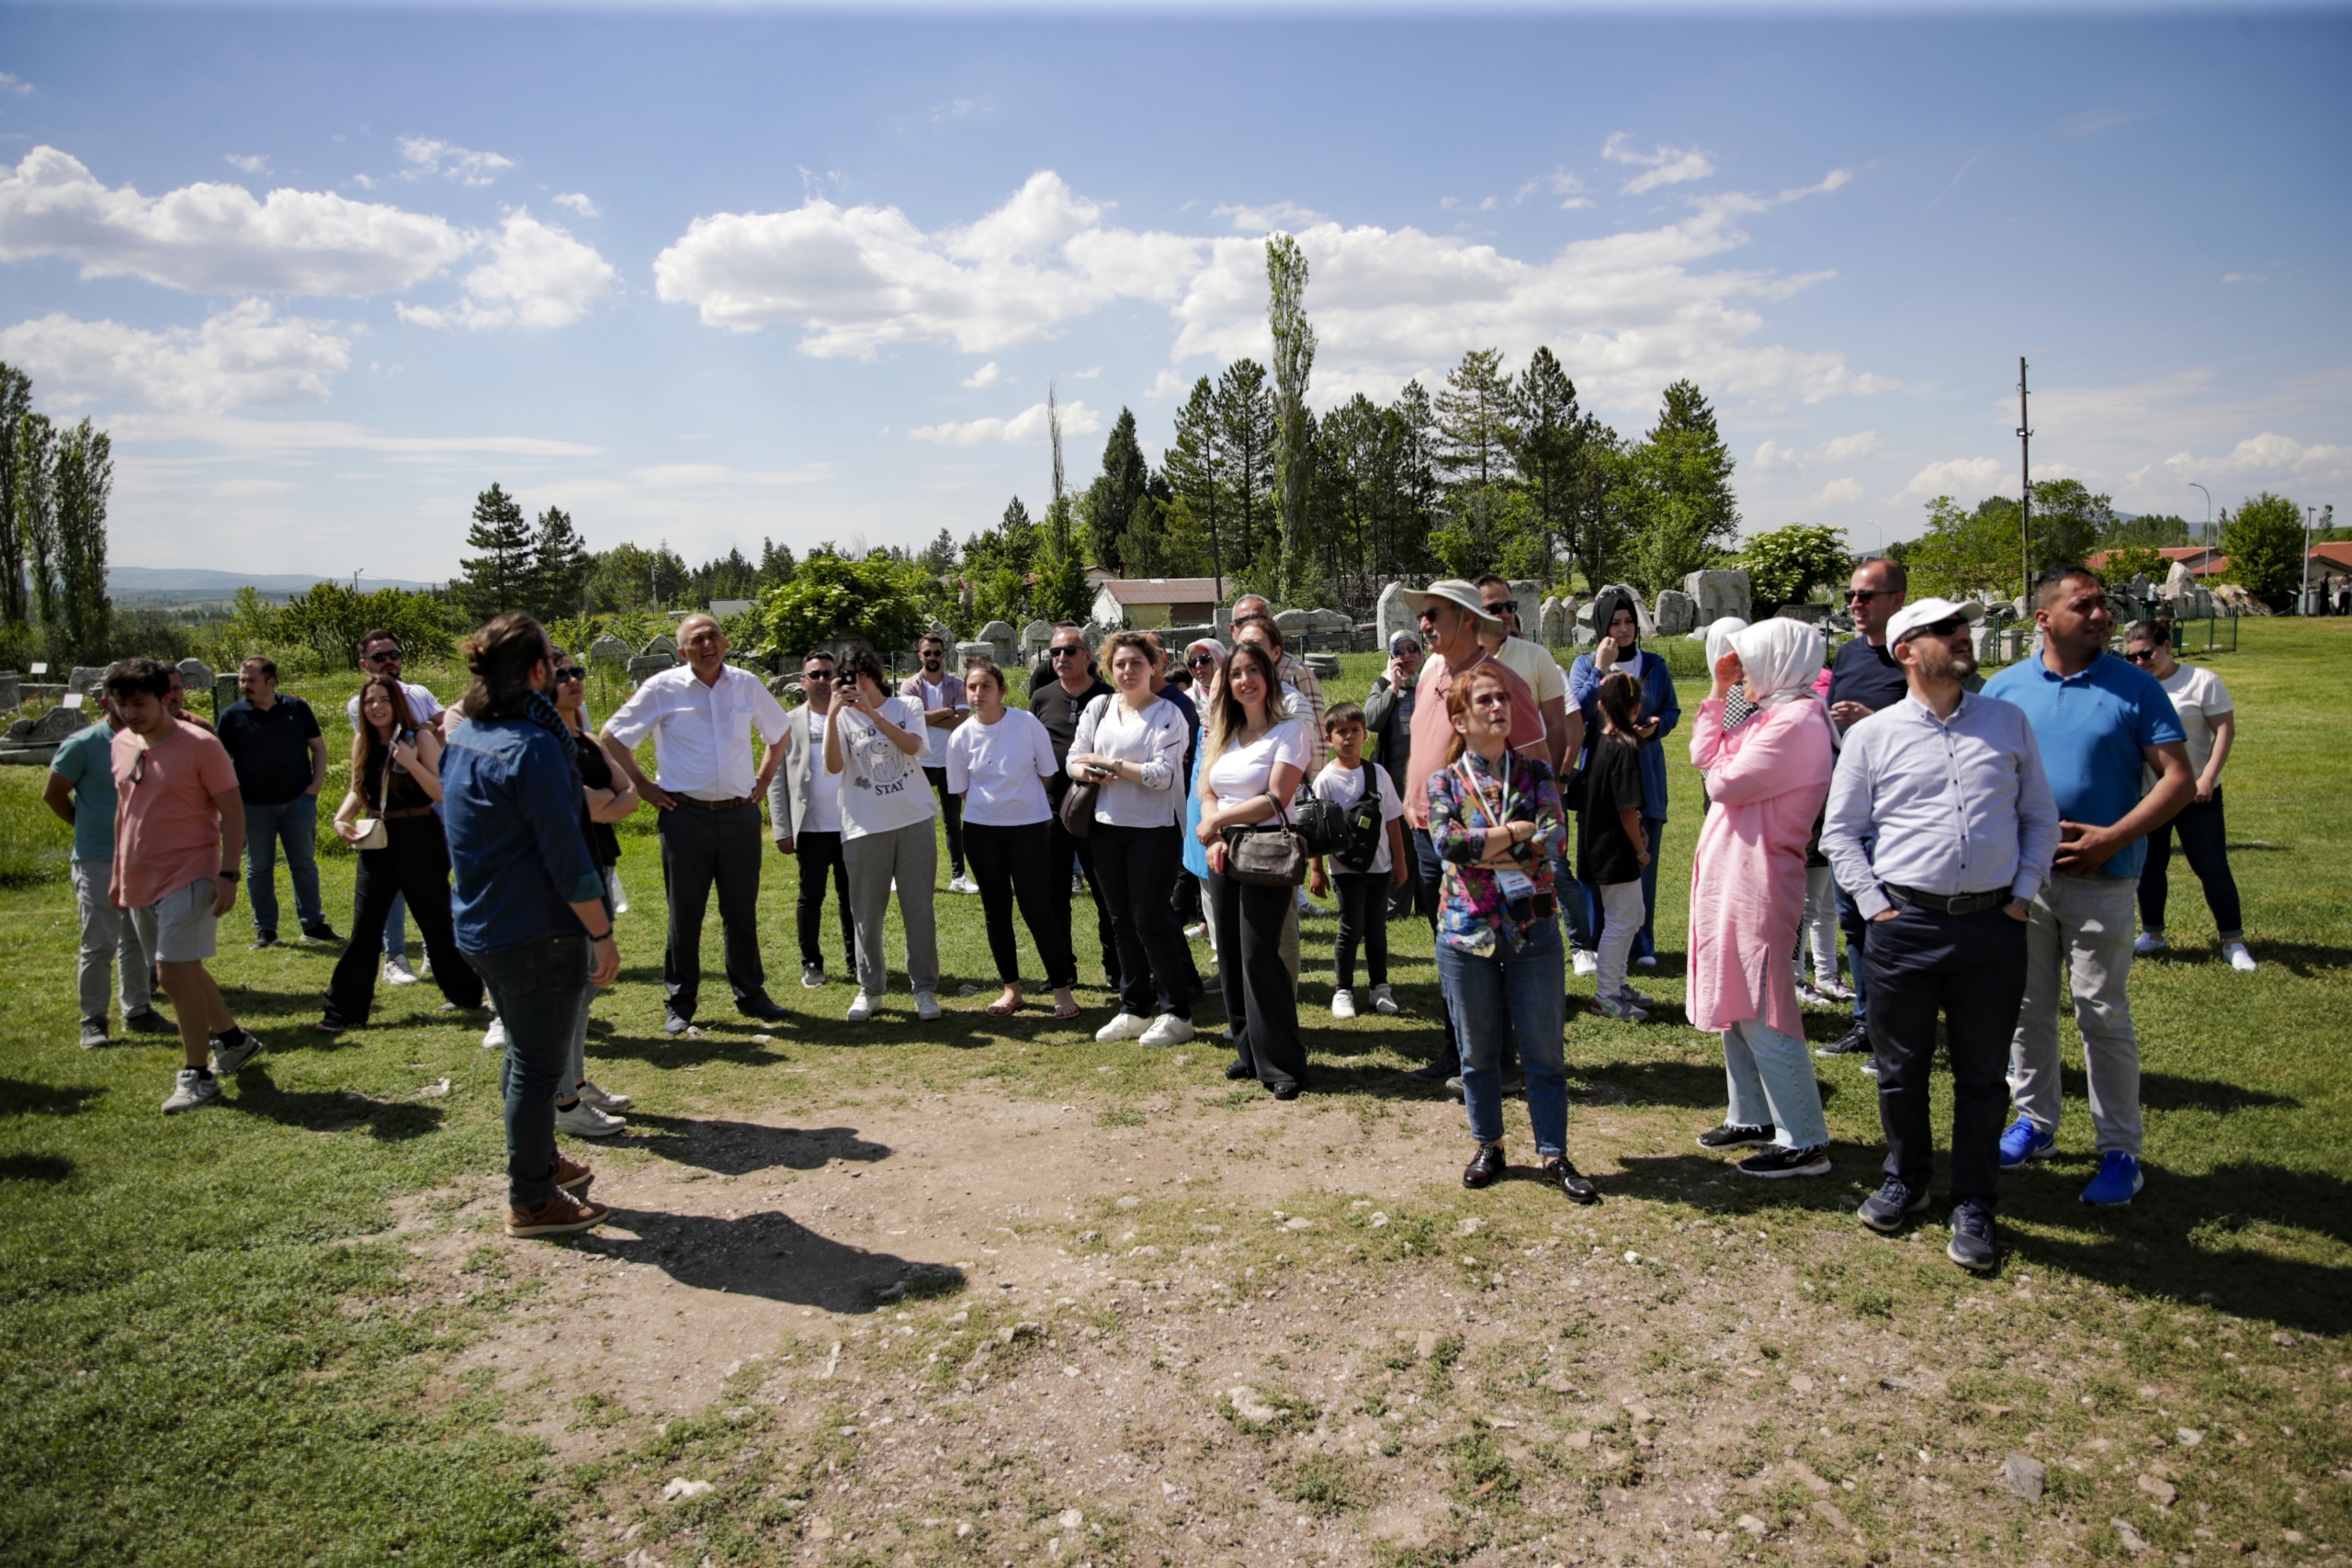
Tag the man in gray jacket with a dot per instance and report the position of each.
(804, 813)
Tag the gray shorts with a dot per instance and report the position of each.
(178, 927)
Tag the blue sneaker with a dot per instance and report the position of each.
(2118, 1183)
(2021, 1143)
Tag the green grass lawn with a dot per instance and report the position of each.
(210, 1353)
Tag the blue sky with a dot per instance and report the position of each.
(716, 277)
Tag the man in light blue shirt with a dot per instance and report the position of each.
(79, 789)
(2099, 720)
(1941, 829)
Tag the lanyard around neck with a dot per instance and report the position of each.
(1477, 795)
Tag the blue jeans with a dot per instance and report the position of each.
(1507, 998)
(540, 989)
(296, 823)
(1771, 1081)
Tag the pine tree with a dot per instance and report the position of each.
(17, 484)
(1196, 477)
(1686, 509)
(560, 566)
(1474, 423)
(84, 480)
(1293, 338)
(499, 579)
(1549, 446)
(776, 565)
(1109, 502)
(1245, 426)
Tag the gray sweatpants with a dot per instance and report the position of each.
(2081, 934)
(107, 940)
(911, 855)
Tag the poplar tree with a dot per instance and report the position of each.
(1293, 338)
(84, 481)
(17, 484)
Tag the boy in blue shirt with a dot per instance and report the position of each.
(2099, 720)
(79, 789)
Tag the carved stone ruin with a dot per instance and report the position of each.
(1676, 612)
(965, 652)
(1720, 593)
(50, 727)
(195, 674)
(87, 678)
(11, 693)
(659, 643)
(1394, 615)
(608, 650)
(998, 636)
(1552, 622)
(650, 664)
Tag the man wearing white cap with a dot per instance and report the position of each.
(1453, 616)
(1941, 828)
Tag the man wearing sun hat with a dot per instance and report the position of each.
(1453, 617)
(1941, 829)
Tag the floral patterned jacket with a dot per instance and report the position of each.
(1474, 907)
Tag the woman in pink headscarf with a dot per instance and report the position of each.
(1768, 779)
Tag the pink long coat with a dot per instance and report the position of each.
(1768, 780)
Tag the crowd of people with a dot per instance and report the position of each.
(1981, 844)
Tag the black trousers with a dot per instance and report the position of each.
(1261, 1001)
(1064, 847)
(1138, 866)
(414, 861)
(699, 849)
(951, 811)
(1364, 917)
(819, 853)
(1970, 969)
(2205, 839)
(1017, 865)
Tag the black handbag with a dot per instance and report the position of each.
(1266, 857)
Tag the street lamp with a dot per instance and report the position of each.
(2207, 537)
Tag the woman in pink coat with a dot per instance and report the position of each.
(1768, 780)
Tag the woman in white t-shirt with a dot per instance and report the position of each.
(998, 761)
(2209, 724)
(875, 743)
(1251, 762)
(1131, 744)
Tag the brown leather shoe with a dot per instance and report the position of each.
(572, 1178)
(560, 1215)
(1484, 1167)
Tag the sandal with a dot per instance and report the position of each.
(1003, 1008)
(1067, 1009)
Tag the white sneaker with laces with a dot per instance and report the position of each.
(585, 1120)
(192, 1090)
(1167, 1030)
(397, 972)
(962, 885)
(1124, 1026)
(2240, 959)
(228, 1059)
(1585, 961)
(1382, 1002)
(494, 1037)
(2148, 942)
(927, 1006)
(603, 1099)
(1195, 932)
(861, 1007)
(1343, 1004)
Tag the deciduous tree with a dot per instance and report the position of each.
(1293, 338)
(2265, 544)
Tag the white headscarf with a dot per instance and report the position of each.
(1719, 637)
(1782, 658)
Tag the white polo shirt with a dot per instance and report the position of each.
(422, 706)
(701, 734)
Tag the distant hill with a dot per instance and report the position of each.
(193, 583)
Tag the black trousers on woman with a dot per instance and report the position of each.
(1261, 999)
(414, 861)
(1138, 867)
(1019, 863)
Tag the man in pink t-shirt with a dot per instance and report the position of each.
(180, 832)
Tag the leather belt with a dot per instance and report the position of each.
(1957, 904)
(713, 805)
(405, 811)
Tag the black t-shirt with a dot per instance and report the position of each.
(1868, 675)
(1613, 783)
(1059, 712)
(271, 747)
(597, 772)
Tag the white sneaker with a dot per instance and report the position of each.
(494, 1037)
(232, 1059)
(1307, 906)
(1126, 1026)
(397, 973)
(2148, 942)
(1585, 961)
(1382, 1002)
(192, 1090)
(927, 1006)
(962, 885)
(1167, 1030)
(1343, 1004)
(861, 1007)
(585, 1120)
(601, 1099)
(812, 977)
(2240, 959)
(1195, 932)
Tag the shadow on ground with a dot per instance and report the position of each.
(739, 1148)
(770, 1255)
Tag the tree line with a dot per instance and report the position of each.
(55, 481)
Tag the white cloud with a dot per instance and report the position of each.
(1960, 477)
(216, 239)
(1029, 424)
(1770, 454)
(1836, 491)
(1560, 183)
(241, 357)
(426, 158)
(987, 376)
(1261, 220)
(2266, 456)
(579, 203)
(1459, 204)
(14, 84)
(1662, 166)
(1092, 373)
(2242, 278)
(251, 163)
(1626, 311)
(250, 436)
(538, 275)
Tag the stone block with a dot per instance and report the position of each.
(1988, 638)
(1001, 635)
(1676, 612)
(608, 650)
(50, 727)
(1394, 615)
(87, 678)
(968, 651)
(1553, 619)
(651, 664)
(195, 674)
(1325, 666)
(659, 643)
(1811, 615)
(1293, 621)
(1718, 594)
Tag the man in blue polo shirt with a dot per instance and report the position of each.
(2099, 720)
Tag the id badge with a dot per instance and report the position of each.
(1516, 885)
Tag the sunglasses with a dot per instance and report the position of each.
(816, 675)
(2145, 656)
(1944, 627)
(1200, 660)
(383, 656)
(1864, 595)
(1404, 648)
(1068, 652)
(1503, 606)
(565, 674)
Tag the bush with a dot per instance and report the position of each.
(1786, 565)
(2265, 544)
(833, 599)
(320, 628)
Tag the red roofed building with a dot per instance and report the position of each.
(1149, 602)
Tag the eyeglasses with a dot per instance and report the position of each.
(382, 655)
(1071, 651)
(2144, 656)
(1864, 595)
(1200, 661)
(1404, 648)
(567, 673)
(1503, 606)
(809, 675)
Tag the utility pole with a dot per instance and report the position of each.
(2025, 486)
(2206, 537)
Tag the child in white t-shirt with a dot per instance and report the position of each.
(1364, 890)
